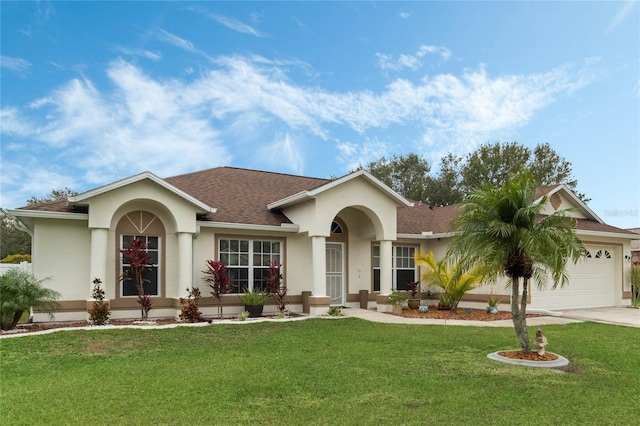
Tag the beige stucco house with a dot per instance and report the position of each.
(341, 242)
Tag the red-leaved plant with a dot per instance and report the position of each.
(276, 287)
(190, 311)
(138, 259)
(413, 288)
(216, 277)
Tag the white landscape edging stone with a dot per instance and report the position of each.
(557, 363)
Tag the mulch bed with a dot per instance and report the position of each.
(42, 326)
(460, 314)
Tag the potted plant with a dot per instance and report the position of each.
(492, 304)
(397, 298)
(414, 289)
(254, 301)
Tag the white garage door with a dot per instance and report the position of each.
(591, 283)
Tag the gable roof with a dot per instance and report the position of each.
(82, 198)
(567, 193)
(309, 194)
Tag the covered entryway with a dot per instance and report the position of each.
(592, 282)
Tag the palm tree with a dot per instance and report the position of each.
(21, 290)
(449, 277)
(503, 229)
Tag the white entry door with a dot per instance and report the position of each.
(335, 273)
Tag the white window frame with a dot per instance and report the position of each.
(248, 259)
(399, 263)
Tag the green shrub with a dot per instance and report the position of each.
(21, 290)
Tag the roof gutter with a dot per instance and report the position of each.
(284, 227)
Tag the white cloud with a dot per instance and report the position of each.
(11, 123)
(404, 15)
(176, 125)
(154, 56)
(284, 152)
(236, 25)
(179, 42)
(412, 62)
(231, 23)
(623, 12)
(18, 65)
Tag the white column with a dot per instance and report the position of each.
(386, 272)
(318, 249)
(99, 246)
(185, 260)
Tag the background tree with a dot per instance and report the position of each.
(502, 229)
(13, 240)
(491, 164)
(445, 189)
(55, 194)
(408, 175)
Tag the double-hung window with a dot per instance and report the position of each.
(403, 267)
(150, 276)
(248, 261)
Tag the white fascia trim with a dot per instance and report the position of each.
(588, 233)
(285, 227)
(305, 195)
(137, 178)
(582, 206)
(49, 215)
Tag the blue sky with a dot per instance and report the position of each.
(97, 91)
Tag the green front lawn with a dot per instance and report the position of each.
(345, 371)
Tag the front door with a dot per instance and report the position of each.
(335, 273)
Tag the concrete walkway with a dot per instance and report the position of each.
(618, 316)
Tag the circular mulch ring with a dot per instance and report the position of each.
(531, 359)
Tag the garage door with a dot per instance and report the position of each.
(591, 283)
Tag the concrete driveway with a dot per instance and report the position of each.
(617, 316)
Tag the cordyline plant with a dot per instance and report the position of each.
(277, 288)
(216, 277)
(138, 259)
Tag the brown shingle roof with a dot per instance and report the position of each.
(242, 195)
(249, 190)
(423, 218)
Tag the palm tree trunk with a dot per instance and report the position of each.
(518, 315)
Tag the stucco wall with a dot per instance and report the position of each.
(61, 252)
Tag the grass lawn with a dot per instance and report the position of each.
(317, 372)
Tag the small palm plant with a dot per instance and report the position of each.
(21, 290)
(450, 277)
